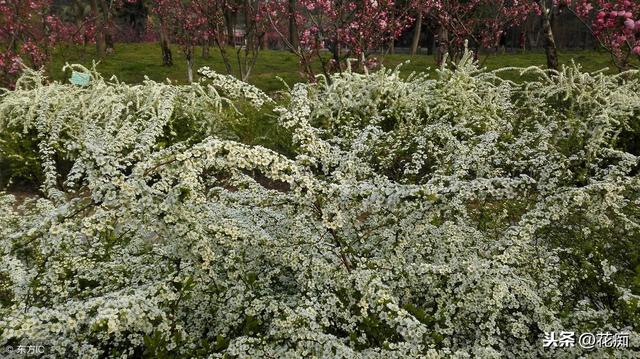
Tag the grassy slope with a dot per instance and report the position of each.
(131, 62)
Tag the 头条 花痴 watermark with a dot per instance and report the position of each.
(566, 339)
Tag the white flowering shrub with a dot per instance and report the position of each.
(462, 216)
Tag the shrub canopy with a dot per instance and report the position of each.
(462, 216)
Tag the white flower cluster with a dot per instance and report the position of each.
(233, 88)
(462, 216)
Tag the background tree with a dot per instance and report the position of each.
(419, 7)
(481, 23)
(348, 29)
(551, 52)
(293, 26)
(78, 19)
(255, 25)
(163, 38)
(217, 28)
(28, 31)
(185, 24)
(102, 11)
(194, 22)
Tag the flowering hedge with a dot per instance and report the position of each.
(462, 216)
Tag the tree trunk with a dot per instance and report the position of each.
(293, 29)
(443, 43)
(549, 40)
(336, 55)
(223, 53)
(189, 56)
(108, 41)
(99, 37)
(229, 22)
(205, 49)
(416, 34)
(430, 42)
(106, 21)
(167, 57)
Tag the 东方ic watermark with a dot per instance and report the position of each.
(35, 349)
(585, 340)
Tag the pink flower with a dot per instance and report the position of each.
(630, 24)
(636, 50)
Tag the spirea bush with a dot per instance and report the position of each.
(462, 216)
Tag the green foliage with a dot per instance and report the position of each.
(19, 159)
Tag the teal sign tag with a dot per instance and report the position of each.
(79, 78)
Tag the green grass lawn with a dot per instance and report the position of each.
(131, 62)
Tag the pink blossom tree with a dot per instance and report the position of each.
(102, 17)
(254, 28)
(185, 24)
(481, 23)
(194, 22)
(93, 22)
(347, 29)
(616, 25)
(28, 32)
